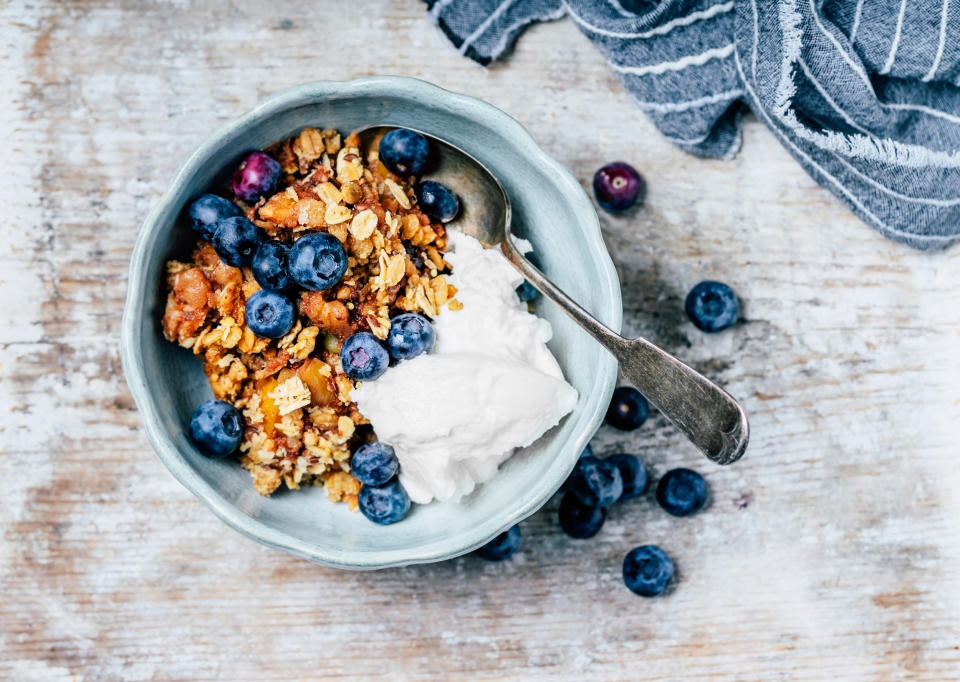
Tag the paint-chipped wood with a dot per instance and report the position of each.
(830, 552)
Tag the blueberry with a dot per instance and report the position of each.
(587, 453)
(410, 335)
(647, 570)
(216, 428)
(384, 504)
(628, 409)
(579, 520)
(269, 314)
(439, 203)
(269, 266)
(235, 240)
(617, 186)
(527, 292)
(256, 177)
(363, 357)
(207, 210)
(596, 482)
(712, 306)
(374, 463)
(633, 473)
(682, 492)
(503, 546)
(317, 261)
(404, 152)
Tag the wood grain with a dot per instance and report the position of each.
(829, 552)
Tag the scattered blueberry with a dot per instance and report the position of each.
(647, 570)
(235, 239)
(207, 210)
(527, 292)
(256, 177)
(384, 504)
(579, 520)
(617, 186)
(596, 482)
(503, 546)
(438, 202)
(628, 409)
(404, 152)
(587, 453)
(269, 314)
(712, 306)
(269, 266)
(633, 473)
(317, 261)
(374, 463)
(363, 357)
(216, 428)
(410, 335)
(682, 492)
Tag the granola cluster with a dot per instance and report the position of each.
(300, 423)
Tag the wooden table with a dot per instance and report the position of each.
(830, 552)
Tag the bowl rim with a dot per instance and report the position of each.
(402, 87)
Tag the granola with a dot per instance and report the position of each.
(300, 424)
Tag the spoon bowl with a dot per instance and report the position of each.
(485, 209)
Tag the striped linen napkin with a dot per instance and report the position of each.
(865, 95)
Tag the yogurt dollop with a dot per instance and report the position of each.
(490, 385)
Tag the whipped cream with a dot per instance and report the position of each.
(490, 385)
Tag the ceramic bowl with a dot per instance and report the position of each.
(549, 208)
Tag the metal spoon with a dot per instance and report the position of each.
(708, 415)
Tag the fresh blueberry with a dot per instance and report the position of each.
(384, 504)
(503, 546)
(647, 570)
(410, 335)
(404, 152)
(617, 186)
(363, 357)
(596, 482)
(256, 177)
(317, 261)
(269, 266)
(438, 202)
(216, 428)
(628, 409)
(235, 240)
(269, 314)
(374, 463)
(579, 520)
(682, 492)
(712, 306)
(587, 453)
(633, 473)
(207, 210)
(527, 292)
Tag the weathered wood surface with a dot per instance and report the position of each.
(830, 552)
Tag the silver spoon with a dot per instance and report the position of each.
(708, 415)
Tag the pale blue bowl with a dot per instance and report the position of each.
(549, 208)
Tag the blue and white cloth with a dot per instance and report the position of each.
(864, 94)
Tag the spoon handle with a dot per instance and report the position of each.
(708, 415)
